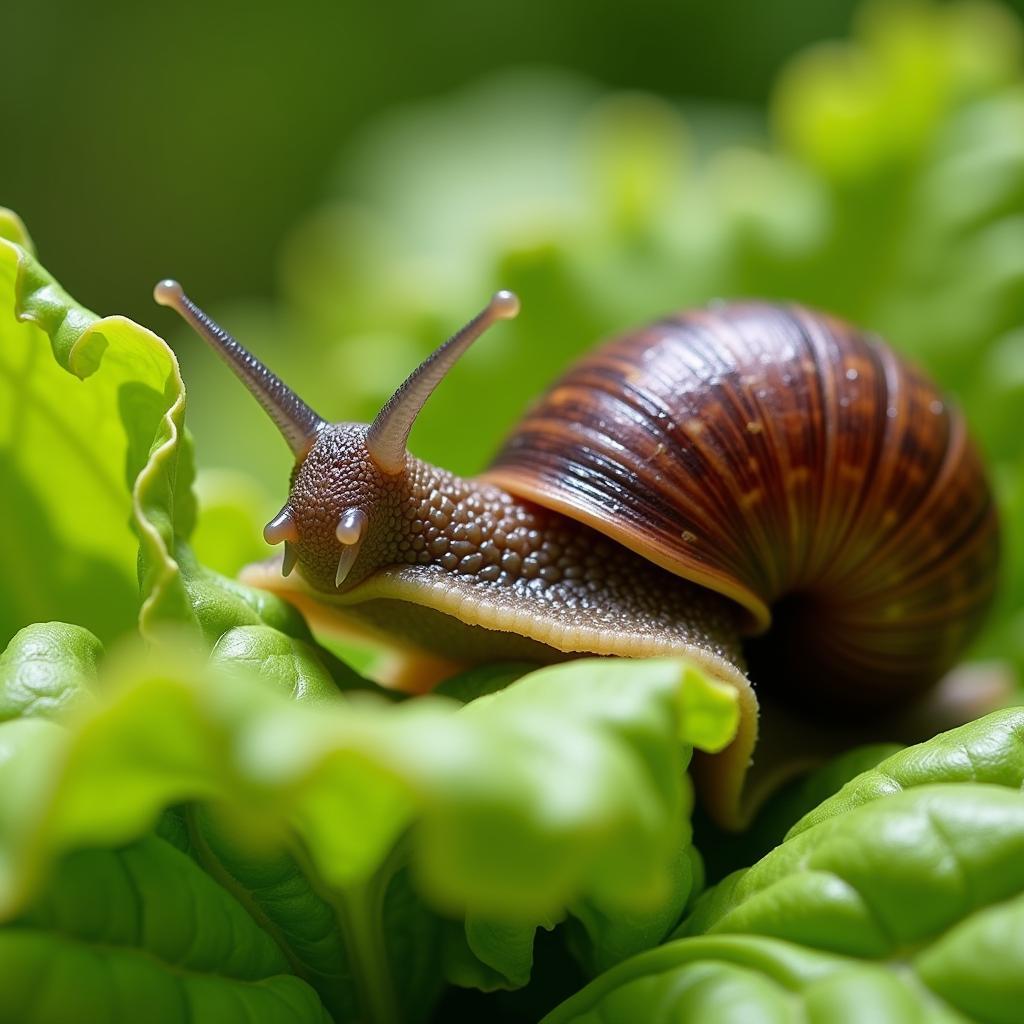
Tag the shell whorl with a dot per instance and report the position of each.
(790, 462)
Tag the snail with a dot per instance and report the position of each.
(755, 486)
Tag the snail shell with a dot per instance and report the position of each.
(791, 463)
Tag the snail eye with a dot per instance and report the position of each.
(351, 526)
(350, 531)
(281, 528)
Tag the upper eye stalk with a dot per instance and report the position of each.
(298, 423)
(390, 431)
(388, 435)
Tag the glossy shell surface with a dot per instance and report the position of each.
(788, 461)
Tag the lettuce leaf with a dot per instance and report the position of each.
(900, 898)
(107, 412)
(47, 668)
(733, 979)
(881, 878)
(564, 794)
(921, 856)
(990, 750)
(143, 933)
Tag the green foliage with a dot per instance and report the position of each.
(110, 942)
(66, 444)
(47, 668)
(224, 821)
(900, 899)
(988, 750)
(565, 793)
(736, 980)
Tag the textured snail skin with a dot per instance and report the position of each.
(679, 487)
(474, 552)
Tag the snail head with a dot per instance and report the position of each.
(348, 483)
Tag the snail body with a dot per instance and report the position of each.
(746, 470)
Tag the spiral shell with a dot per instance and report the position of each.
(791, 462)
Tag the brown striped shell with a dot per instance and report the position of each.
(791, 462)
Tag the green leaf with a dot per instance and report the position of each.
(564, 791)
(503, 951)
(907, 908)
(47, 668)
(280, 898)
(883, 876)
(218, 603)
(990, 750)
(598, 936)
(285, 656)
(143, 933)
(899, 898)
(110, 438)
(291, 665)
(592, 749)
(601, 936)
(750, 980)
(370, 952)
(905, 887)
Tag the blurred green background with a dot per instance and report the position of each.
(343, 185)
(190, 138)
